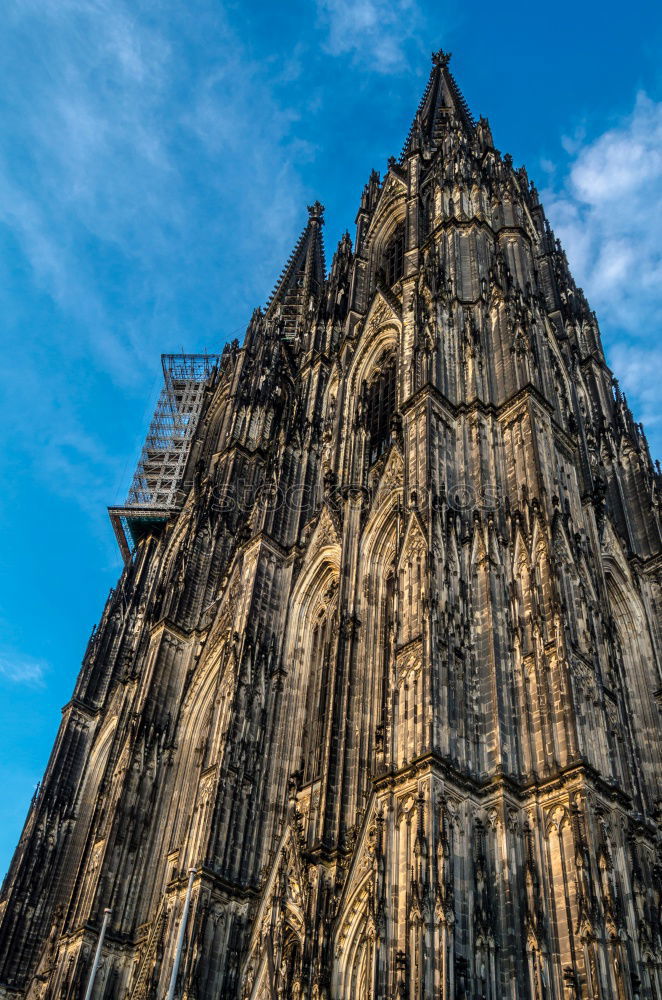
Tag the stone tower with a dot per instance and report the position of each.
(382, 672)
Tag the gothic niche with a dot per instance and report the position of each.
(427, 213)
(290, 969)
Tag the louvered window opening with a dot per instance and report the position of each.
(380, 407)
(394, 256)
(318, 697)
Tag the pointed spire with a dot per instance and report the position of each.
(343, 254)
(302, 277)
(441, 97)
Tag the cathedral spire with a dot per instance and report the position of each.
(441, 98)
(302, 277)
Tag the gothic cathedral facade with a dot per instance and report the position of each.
(385, 679)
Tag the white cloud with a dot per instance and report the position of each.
(237, 118)
(374, 32)
(106, 166)
(89, 160)
(20, 669)
(607, 216)
(127, 163)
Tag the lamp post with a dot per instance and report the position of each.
(180, 937)
(97, 954)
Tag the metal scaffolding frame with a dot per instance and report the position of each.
(156, 488)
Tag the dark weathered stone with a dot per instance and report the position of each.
(389, 680)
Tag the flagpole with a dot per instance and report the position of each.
(180, 937)
(97, 954)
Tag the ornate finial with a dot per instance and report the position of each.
(441, 58)
(316, 212)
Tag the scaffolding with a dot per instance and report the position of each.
(156, 490)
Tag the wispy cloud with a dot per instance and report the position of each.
(142, 167)
(88, 165)
(607, 214)
(120, 142)
(236, 119)
(374, 32)
(19, 669)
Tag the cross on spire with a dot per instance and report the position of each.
(441, 58)
(316, 212)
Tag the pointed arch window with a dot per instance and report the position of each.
(380, 407)
(318, 698)
(388, 627)
(393, 257)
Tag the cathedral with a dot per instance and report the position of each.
(373, 711)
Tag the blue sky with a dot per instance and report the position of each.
(156, 159)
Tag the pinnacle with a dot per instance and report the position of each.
(316, 212)
(441, 58)
(303, 274)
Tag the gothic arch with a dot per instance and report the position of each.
(175, 551)
(314, 595)
(378, 346)
(381, 341)
(390, 214)
(212, 420)
(323, 569)
(384, 224)
(205, 720)
(356, 960)
(79, 850)
(380, 403)
(557, 383)
(357, 939)
(273, 958)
